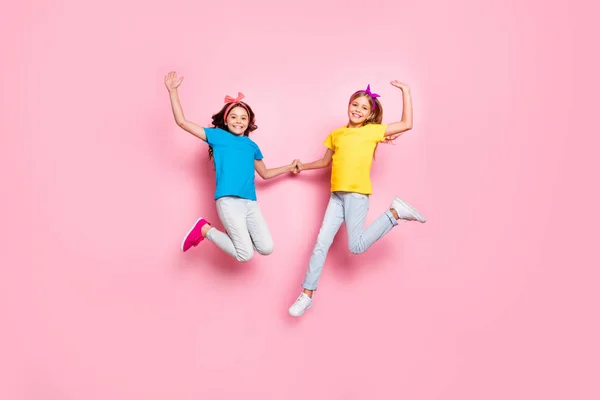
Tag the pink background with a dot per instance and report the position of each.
(496, 297)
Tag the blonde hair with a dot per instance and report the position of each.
(376, 111)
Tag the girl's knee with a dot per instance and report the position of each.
(356, 248)
(265, 249)
(244, 255)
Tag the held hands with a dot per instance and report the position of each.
(171, 81)
(296, 166)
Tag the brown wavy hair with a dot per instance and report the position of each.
(218, 121)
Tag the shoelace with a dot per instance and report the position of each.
(302, 300)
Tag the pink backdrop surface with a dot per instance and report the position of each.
(495, 297)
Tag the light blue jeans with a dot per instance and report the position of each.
(246, 228)
(351, 208)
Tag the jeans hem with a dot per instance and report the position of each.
(391, 217)
(208, 233)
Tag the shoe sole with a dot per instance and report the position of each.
(188, 233)
(299, 315)
(414, 212)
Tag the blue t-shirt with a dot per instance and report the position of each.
(234, 163)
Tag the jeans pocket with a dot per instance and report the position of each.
(358, 195)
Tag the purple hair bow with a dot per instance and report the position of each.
(368, 91)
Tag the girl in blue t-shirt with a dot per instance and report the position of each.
(236, 157)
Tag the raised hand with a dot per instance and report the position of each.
(171, 81)
(400, 85)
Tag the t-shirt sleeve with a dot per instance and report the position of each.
(329, 142)
(257, 153)
(377, 132)
(212, 135)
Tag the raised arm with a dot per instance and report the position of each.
(172, 83)
(265, 173)
(396, 129)
(322, 163)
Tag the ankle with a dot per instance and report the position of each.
(308, 292)
(205, 229)
(394, 213)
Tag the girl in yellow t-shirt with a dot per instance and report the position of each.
(350, 151)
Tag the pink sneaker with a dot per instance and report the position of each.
(194, 236)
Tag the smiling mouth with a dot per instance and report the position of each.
(356, 115)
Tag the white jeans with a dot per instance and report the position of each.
(246, 229)
(351, 208)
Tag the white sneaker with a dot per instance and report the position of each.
(405, 211)
(302, 303)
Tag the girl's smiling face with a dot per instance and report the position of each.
(359, 111)
(237, 120)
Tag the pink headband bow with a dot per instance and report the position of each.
(232, 102)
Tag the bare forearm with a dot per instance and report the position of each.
(315, 165)
(407, 109)
(274, 172)
(176, 107)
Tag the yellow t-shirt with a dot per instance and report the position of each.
(353, 156)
